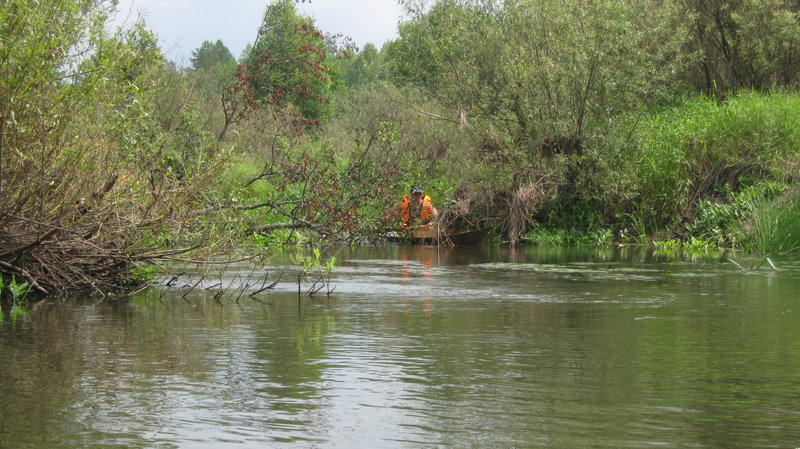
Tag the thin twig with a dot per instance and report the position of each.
(193, 287)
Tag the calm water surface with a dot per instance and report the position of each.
(422, 347)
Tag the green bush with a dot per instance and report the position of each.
(720, 222)
(689, 153)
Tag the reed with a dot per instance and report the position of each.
(773, 226)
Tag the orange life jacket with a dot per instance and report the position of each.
(424, 214)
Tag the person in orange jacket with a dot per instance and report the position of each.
(419, 210)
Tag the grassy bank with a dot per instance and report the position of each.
(704, 170)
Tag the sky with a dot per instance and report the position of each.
(182, 25)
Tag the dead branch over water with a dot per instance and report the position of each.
(83, 254)
(201, 278)
(61, 240)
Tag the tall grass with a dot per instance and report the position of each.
(688, 153)
(774, 226)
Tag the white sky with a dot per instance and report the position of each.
(182, 25)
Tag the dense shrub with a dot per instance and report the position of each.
(704, 147)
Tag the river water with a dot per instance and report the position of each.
(422, 347)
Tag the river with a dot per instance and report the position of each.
(422, 347)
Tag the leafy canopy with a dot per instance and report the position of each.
(288, 64)
(287, 70)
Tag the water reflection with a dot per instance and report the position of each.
(412, 257)
(423, 346)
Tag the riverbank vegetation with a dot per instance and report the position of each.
(614, 122)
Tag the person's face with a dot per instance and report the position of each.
(417, 196)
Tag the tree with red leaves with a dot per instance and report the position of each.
(287, 70)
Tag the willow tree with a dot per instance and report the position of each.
(541, 69)
(743, 44)
(85, 183)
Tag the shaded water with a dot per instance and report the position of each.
(423, 347)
